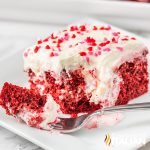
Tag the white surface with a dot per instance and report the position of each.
(19, 36)
(129, 15)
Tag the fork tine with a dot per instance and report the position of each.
(56, 126)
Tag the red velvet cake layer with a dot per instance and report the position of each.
(135, 80)
(14, 98)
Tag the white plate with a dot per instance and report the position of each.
(126, 14)
(133, 131)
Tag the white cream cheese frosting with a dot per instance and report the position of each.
(49, 115)
(98, 48)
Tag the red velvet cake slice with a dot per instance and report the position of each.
(78, 70)
(27, 104)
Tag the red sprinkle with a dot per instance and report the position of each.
(94, 28)
(120, 48)
(60, 41)
(105, 39)
(73, 28)
(102, 44)
(99, 52)
(108, 28)
(87, 59)
(102, 28)
(107, 49)
(36, 49)
(78, 32)
(114, 40)
(90, 40)
(66, 36)
(125, 39)
(51, 54)
(39, 41)
(53, 37)
(58, 45)
(55, 54)
(90, 48)
(133, 38)
(82, 53)
(83, 28)
(99, 48)
(93, 44)
(95, 54)
(47, 47)
(90, 53)
(73, 36)
(46, 40)
(105, 28)
(116, 33)
(107, 42)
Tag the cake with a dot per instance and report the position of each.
(78, 70)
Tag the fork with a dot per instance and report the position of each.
(68, 125)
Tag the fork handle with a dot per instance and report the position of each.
(128, 107)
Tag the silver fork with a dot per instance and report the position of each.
(68, 125)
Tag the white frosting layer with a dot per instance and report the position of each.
(71, 49)
(49, 114)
